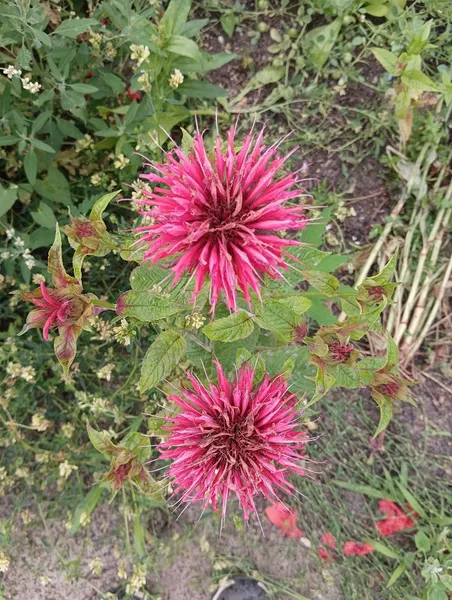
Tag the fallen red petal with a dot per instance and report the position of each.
(357, 548)
(329, 540)
(323, 553)
(390, 509)
(284, 519)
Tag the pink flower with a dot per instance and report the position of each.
(284, 518)
(397, 521)
(234, 438)
(324, 554)
(357, 548)
(329, 540)
(220, 214)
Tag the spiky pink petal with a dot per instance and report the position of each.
(218, 215)
(234, 438)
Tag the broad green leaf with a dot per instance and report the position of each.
(201, 89)
(100, 205)
(275, 316)
(175, 16)
(101, 440)
(44, 216)
(207, 62)
(357, 326)
(392, 352)
(308, 256)
(377, 10)
(41, 145)
(226, 352)
(193, 28)
(68, 129)
(184, 47)
(161, 358)
(320, 313)
(148, 306)
(54, 187)
(347, 376)
(243, 355)
(264, 77)
(7, 199)
(422, 541)
(9, 140)
(419, 81)
(228, 23)
(387, 59)
(437, 592)
(323, 282)
(366, 490)
(31, 166)
(74, 27)
(236, 326)
(320, 41)
(299, 304)
(148, 277)
(187, 142)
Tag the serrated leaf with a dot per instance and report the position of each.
(236, 326)
(392, 352)
(148, 306)
(309, 256)
(385, 406)
(419, 81)
(275, 316)
(299, 304)
(74, 27)
(148, 276)
(323, 282)
(162, 356)
(346, 376)
(101, 440)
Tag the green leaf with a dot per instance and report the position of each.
(385, 406)
(412, 501)
(184, 47)
(228, 23)
(175, 16)
(187, 142)
(84, 88)
(9, 140)
(44, 216)
(40, 121)
(114, 82)
(100, 205)
(162, 356)
(377, 10)
(74, 27)
(298, 303)
(387, 59)
(420, 82)
(148, 306)
(309, 256)
(68, 129)
(54, 187)
(264, 77)
(422, 541)
(436, 592)
(320, 313)
(321, 40)
(236, 326)
(86, 506)
(275, 316)
(396, 575)
(392, 352)
(101, 440)
(323, 282)
(346, 376)
(367, 490)
(41, 145)
(383, 549)
(31, 166)
(7, 198)
(193, 27)
(138, 537)
(201, 89)
(146, 276)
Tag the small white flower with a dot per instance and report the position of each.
(10, 233)
(121, 162)
(66, 469)
(11, 72)
(139, 53)
(28, 84)
(39, 422)
(176, 79)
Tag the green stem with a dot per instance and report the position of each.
(104, 304)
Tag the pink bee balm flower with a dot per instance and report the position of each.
(220, 215)
(234, 438)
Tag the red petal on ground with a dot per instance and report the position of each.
(329, 540)
(284, 519)
(388, 527)
(390, 509)
(323, 553)
(357, 548)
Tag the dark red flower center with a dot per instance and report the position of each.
(377, 293)
(120, 473)
(390, 389)
(340, 352)
(84, 229)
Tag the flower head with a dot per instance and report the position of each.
(176, 79)
(11, 72)
(220, 215)
(234, 438)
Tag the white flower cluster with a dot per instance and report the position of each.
(16, 370)
(176, 79)
(27, 83)
(139, 53)
(19, 249)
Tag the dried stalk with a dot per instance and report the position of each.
(432, 315)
